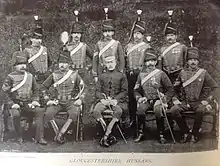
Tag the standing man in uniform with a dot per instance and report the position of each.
(111, 92)
(22, 91)
(173, 53)
(79, 51)
(151, 81)
(67, 83)
(192, 80)
(105, 47)
(134, 60)
(39, 62)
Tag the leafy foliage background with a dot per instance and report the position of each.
(196, 18)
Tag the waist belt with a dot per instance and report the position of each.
(77, 66)
(60, 97)
(172, 69)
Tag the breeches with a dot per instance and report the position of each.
(100, 108)
(199, 109)
(143, 108)
(72, 110)
(25, 111)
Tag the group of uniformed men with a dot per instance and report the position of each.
(127, 82)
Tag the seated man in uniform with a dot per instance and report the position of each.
(66, 83)
(22, 91)
(150, 83)
(191, 81)
(111, 92)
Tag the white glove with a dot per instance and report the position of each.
(35, 104)
(204, 102)
(142, 100)
(15, 106)
(78, 102)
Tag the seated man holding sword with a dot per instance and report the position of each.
(112, 94)
(67, 83)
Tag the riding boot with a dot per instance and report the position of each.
(18, 129)
(55, 128)
(141, 128)
(160, 129)
(110, 126)
(184, 129)
(60, 138)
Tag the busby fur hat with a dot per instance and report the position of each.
(140, 27)
(150, 54)
(18, 57)
(107, 25)
(170, 28)
(192, 53)
(77, 27)
(64, 57)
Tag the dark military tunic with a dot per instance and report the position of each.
(40, 66)
(148, 90)
(79, 52)
(67, 90)
(113, 84)
(115, 50)
(173, 60)
(194, 91)
(135, 58)
(27, 93)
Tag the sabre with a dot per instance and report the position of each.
(165, 115)
(116, 124)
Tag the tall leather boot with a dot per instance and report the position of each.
(18, 129)
(39, 135)
(160, 129)
(141, 128)
(184, 129)
(60, 138)
(108, 132)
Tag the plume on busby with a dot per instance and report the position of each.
(77, 27)
(138, 25)
(170, 27)
(38, 29)
(18, 57)
(191, 39)
(107, 24)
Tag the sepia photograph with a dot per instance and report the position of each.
(109, 76)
